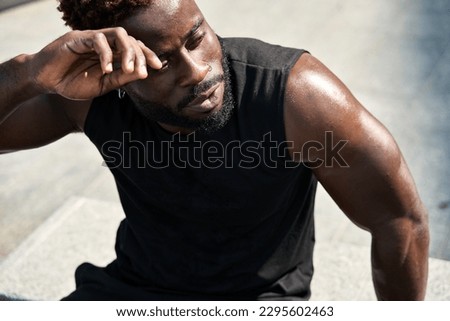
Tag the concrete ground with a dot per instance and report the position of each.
(59, 206)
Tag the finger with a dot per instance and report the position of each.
(140, 61)
(152, 59)
(125, 45)
(84, 42)
(135, 60)
(118, 78)
(101, 46)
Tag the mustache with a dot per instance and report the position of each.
(199, 89)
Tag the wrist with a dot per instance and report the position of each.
(27, 75)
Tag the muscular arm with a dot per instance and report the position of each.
(41, 120)
(29, 117)
(47, 95)
(374, 187)
(16, 86)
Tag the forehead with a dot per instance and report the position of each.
(169, 6)
(163, 21)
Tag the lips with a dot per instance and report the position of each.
(204, 102)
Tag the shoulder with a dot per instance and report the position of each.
(312, 89)
(317, 100)
(318, 103)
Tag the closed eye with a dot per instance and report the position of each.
(192, 45)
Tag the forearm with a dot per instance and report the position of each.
(400, 259)
(16, 84)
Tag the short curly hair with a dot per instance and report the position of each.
(98, 14)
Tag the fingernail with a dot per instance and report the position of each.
(109, 67)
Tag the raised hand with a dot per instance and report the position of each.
(80, 64)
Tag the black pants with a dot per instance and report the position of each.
(107, 284)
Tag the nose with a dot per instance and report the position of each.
(192, 72)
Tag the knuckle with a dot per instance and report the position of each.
(140, 57)
(121, 31)
(100, 36)
(131, 51)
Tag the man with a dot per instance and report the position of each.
(216, 146)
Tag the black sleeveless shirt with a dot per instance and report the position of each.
(216, 216)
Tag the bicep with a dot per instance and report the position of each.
(375, 186)
(40, 121)
(369, 179)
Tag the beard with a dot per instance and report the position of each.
(164, 114)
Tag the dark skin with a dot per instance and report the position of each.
(47, 95)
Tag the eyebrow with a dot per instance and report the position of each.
(188, 35)
(194, 28)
